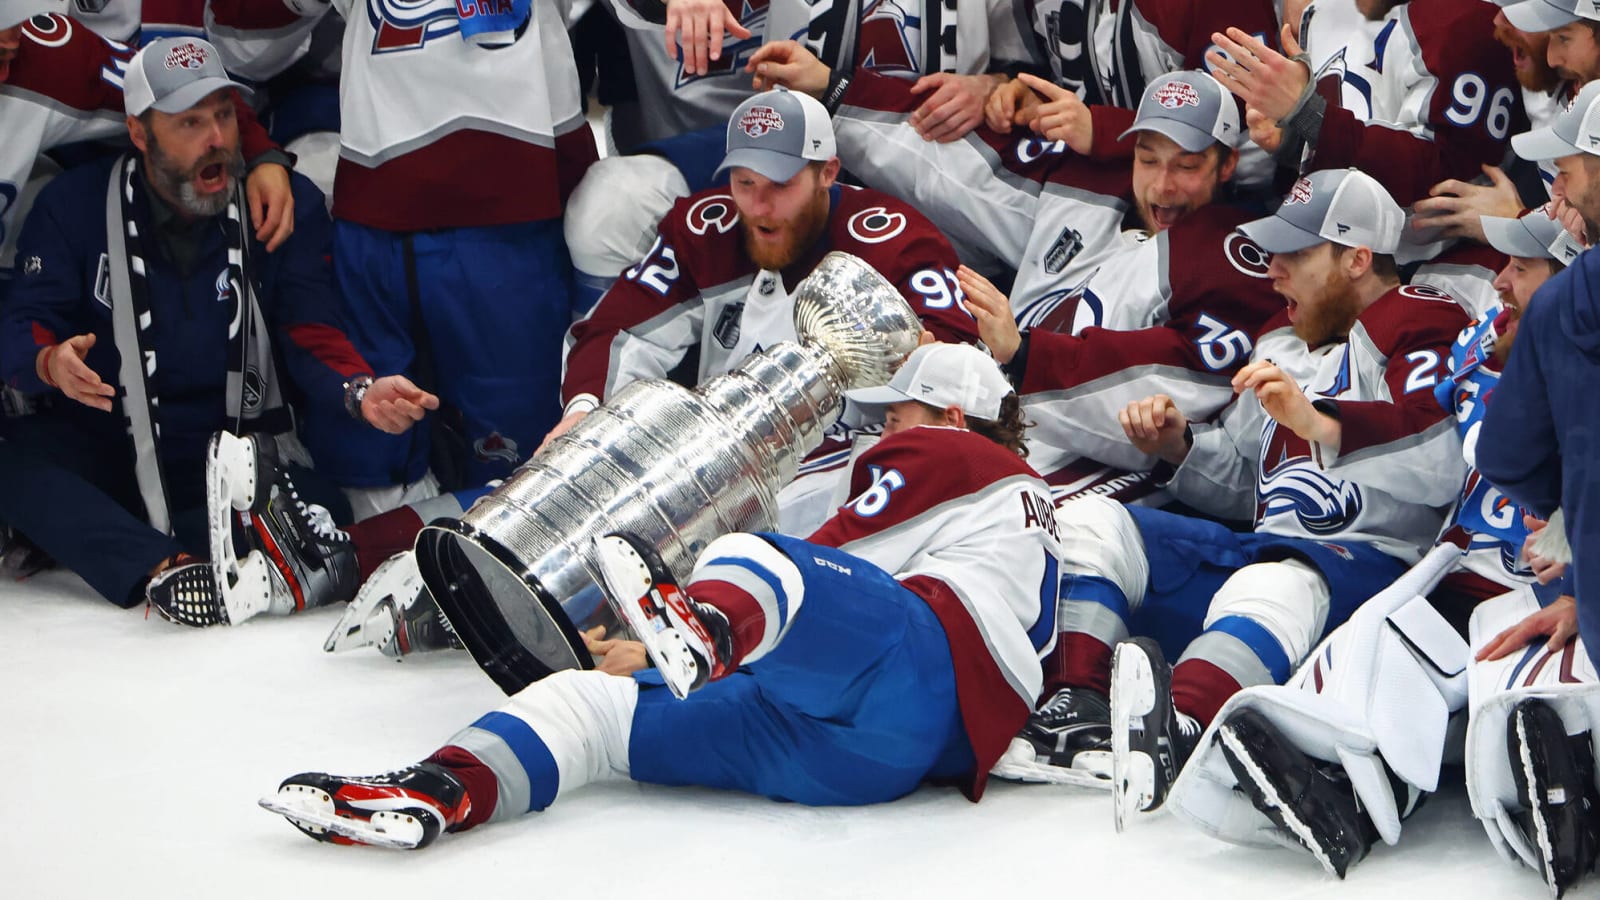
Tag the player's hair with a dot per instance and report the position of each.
(1383, 266)
(1007, 429)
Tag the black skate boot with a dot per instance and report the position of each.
(690, 643)
(314, 562)
(405, 809)
(1150, 741)
(186, 592)
(1308, 799)
(1067, 741)
(394, 612)
(1554, 778)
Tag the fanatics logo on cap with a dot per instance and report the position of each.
(760, 120)
(185, 56)
(1300, 193)
(1175, 94)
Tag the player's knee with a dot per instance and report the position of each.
(1099, 538)
(1289, 599)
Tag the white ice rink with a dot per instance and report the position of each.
(134, 751)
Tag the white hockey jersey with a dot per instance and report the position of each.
(1398, 466)
(978, 541)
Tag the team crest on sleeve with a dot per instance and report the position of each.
(1426, 292)
(875, 224)
(715, 212)
(758, 121)
(1243, 254)
(48, 31)
(1177, 94)
(400, 25)
(1300, 193)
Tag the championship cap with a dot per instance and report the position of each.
(1576, 130)
(172, 74)
(15, 12)
(775, 133)
(943, 375)
(1344, 206)
(1534, 16)
(1191, 108)
(1532, 236)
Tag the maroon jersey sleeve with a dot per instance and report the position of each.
(911, 253)
(66, 62)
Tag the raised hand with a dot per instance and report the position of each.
(788, 64)
(1263, 78)
(1061, 116)
(1283, 400)
(696, 27)
(1458, 207)
(997, 327)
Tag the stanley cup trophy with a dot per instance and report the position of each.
(678, 468)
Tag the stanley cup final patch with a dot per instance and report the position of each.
(1067, 246)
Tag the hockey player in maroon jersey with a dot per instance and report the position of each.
(1348, 484)
(898, 645)
(715, 284)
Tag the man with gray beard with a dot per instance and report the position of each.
(146, 317)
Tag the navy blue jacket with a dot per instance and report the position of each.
(1540, 442)
(61, 291)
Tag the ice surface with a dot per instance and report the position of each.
(135, 750)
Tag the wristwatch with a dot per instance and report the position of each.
(355, 390)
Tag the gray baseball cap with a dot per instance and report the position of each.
(1575, 130)
(171, 75)
(1534, 16)
(1191, 108)
(942, 375)
(1344, 206)
(775, 133)
(15, 12)
(1532, 236)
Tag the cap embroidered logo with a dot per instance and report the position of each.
(1300, 193)
(760, 120)
(185, 56)
(1175, 94)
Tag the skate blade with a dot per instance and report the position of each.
(627, 585)
(1242, 763)
(388, 830)
(1019, 763)
(372, 618)
(1133, 696)
(245, 586)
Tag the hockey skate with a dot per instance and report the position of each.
(690, 643)
(312, 562)
(1067, 741)
(1554, 774)
(403, 810)
(1150, 741)
(394, 612)
(1307, 799)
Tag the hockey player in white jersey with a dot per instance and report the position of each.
(1347, 486)
(1336, 758)
(806, 670)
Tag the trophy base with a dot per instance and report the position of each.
(510, 624)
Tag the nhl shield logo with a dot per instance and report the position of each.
(255, 391)
(1300, 193)
(727, 329)
(1176, 94)
(760, 120)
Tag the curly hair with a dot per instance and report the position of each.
(1007, 429)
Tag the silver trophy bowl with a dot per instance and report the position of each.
(675, 467)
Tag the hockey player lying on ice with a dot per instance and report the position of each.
(899, 645)
(1347, 749)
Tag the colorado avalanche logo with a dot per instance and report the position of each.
(760, 120)
(224, 287)
(187, 55)
(1300, 193)
(1245, 256)
(886, 35)
(400, 25)
(753, 16)
(874, 225)
(715, 212)
(496, 446)
(1177, 94)
(1322, 505)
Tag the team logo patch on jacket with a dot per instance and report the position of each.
(760, 120)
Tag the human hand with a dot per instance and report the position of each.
(562, 427)
(617, 656)
(1545, 569)
(271, 204)
(954, 107)
(1156, 427)
(1283, 400)
(1458, 207)
(1061, 116)
(788, 64)
(62, 366)
(697, 26)
(1263, 131)
(393, 404)
(1262, 77)
(1011, 103)
(1571, 220)
(1558, 622)
(997, 327)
